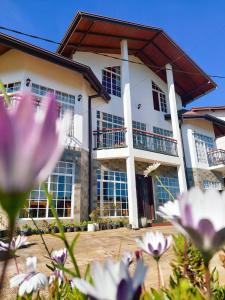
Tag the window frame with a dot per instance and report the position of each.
(114, 183)
(159, 98)
(201, 139)
(111, 80)
(48, 182)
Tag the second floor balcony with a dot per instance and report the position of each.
(111, 138)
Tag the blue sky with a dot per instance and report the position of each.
(198, 26)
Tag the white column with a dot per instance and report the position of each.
(131, 179)
(175, 126)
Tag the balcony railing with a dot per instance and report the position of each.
(115, 138)
(109, 138)
(154, 142)
(216, 157)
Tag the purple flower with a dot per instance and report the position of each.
(30, 146)
(16, 243)
(154, 243)
(112, 281)
(201, 215)
(31, 281)
(59, 256)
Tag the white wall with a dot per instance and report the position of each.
(18, 66)
(141, 91)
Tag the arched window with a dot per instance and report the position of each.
(111, 80)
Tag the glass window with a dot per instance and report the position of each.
(215, 185)
(12, 87)
(203, 145)
(60, 184)
(163, 132)
(112, 195)
(111, 80)
(66, 101)
(159, 98)
(161, 195)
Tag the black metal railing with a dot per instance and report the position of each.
(148, 141)
(109, 138)
(115, 138)
(216, 157)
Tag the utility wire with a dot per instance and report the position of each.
(111, 56)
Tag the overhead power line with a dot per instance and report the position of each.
(111, 56)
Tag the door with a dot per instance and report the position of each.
(145, 197)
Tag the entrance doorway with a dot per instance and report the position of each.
(145, 198)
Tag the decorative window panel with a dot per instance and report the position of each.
(60, 184)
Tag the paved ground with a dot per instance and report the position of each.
(97, 246)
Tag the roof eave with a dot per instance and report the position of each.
(52, 57)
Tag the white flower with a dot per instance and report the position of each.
(128, 257)
(15, 244)
(150, 169)
(31, 281)
(170, 210)
(202, 216)
(59, 256)
(112, 281)
(56, 275)
(154, 243)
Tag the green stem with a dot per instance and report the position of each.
(164, 187)
(17, 269)
(61, 230)
(42, 238)
(158, 273)
(207, 281)
(11, 230)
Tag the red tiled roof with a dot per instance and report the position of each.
(153, 46)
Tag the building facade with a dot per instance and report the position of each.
(127, 86)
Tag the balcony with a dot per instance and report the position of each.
(115, 138)
(109, 138)
(216, 158)
(152, 142)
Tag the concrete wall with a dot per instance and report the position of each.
(196, 177)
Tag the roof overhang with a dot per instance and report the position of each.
(8, 42)
(218, 124)
(153, 46)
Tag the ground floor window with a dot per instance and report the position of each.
(60, 184)
(112, 195)
(214, 185)
(161, 195)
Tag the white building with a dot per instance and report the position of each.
(127, 85)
